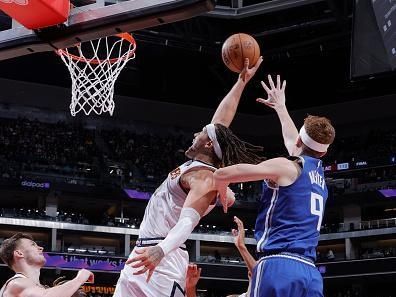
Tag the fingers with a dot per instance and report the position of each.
(234, 232)
(140, 251)
(191, 269)
(141, 271)
(244, 70)
(140, 264)
(239, 223)
(266, 102)
(135, 259)
(278, 83)
(151, 271)
(271, 82)
(129, 261)
(246, 64)
(224, 199)
(266, 88)
(91, 278)
(283, 85)
(199, 272)
(259, 61)
(225, 206)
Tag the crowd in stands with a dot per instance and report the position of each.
(375, 147)
(148, 156)
(60, 148)
(141, 161)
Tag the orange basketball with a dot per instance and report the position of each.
(237, 48)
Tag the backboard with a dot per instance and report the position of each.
(92, 19)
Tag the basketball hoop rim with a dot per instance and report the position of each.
(126, 36)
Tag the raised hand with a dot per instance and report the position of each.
(247, 73)
(85, 276)
(193, 275)
(276, 94)
(148, 258)
(239, 234)
(225, 194)
(230, 197)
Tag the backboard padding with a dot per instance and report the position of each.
(88, 24)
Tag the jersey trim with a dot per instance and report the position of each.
(290, 256)
(211, 165)
(17, 275)
(259, 271)
(145, 242)
(268, 218)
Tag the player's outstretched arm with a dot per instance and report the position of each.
(277, 100)
(227, 108)
(239, 241)
(24, 287)
(280, 170)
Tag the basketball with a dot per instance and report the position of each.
(237, 48)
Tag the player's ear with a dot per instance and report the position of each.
(299, 142)
(209, 144)
(18, 253)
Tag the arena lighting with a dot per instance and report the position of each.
(389, 209)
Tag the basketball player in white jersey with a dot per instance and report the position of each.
(26, 259)
(157, 265)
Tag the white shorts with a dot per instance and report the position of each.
(168, 279)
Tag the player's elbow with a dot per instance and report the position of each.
(221, 174)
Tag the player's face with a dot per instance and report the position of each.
(32, 253)
(201, 139)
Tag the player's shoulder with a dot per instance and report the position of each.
(199, 172)
(199, 169)
(17, 285)
(281, 161)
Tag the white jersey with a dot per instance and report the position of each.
(18, 275)
(162, 214)
(163, 210)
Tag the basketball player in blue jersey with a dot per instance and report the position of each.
(291, 206)
(157, 265)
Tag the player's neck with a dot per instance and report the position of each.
(310, 153)
(30, 271)
(206, 159)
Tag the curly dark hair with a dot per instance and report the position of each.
(236, 150)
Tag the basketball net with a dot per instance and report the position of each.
(94, 67)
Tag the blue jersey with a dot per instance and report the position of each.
(290, 217)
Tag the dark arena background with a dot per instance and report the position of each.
(80, 184)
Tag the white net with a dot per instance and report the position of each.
(94, 67)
